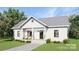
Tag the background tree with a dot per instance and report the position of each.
(74, 27)
(8, 19)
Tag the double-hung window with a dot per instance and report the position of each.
(56, 33)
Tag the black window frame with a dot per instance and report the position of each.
(56, 33)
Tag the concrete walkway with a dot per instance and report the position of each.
(27, 47)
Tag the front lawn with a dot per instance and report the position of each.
(7, 44)
(72, 45)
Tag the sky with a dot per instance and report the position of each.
(43, 12)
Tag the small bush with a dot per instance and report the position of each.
(20, 40)
(28, 41)
(48, 41)
(12, 39)
(56, 41)
(65, 41)
(17, 40)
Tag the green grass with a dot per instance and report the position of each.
(72, 45)
(7, 44)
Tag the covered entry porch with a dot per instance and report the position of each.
(34, 33)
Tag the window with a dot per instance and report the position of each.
(56, 33)
(18, 33)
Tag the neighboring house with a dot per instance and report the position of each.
(54, 28)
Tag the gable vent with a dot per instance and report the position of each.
(32, 20)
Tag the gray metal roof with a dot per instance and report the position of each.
(50, 21)
(56, 21)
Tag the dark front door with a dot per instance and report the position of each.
(41, 34)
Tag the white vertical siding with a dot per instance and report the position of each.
(31, 24)
(62, 34)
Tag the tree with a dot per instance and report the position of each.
(8, 19)
(2, 25)
(74, 27)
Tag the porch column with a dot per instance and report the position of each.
(32, 33)
(21, 34)
(44, 33)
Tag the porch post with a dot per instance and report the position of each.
(32, 33)
(44, 33)
(21, 33)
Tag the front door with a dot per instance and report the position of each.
(36, 35)
(41, 34)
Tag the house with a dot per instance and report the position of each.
(54, 28)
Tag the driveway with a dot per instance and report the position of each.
(26, 47)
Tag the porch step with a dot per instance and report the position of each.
(38, 41)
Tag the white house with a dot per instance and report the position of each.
(54, 28)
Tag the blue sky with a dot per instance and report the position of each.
(43, 12)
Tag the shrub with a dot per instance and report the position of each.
(28, 41)
(48, 41)
(65, 41)
(12, 39)
(9, 39)
(56, 41)
(20, 40)
(17, 40)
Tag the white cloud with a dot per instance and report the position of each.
(61, 11)
(51, 12)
